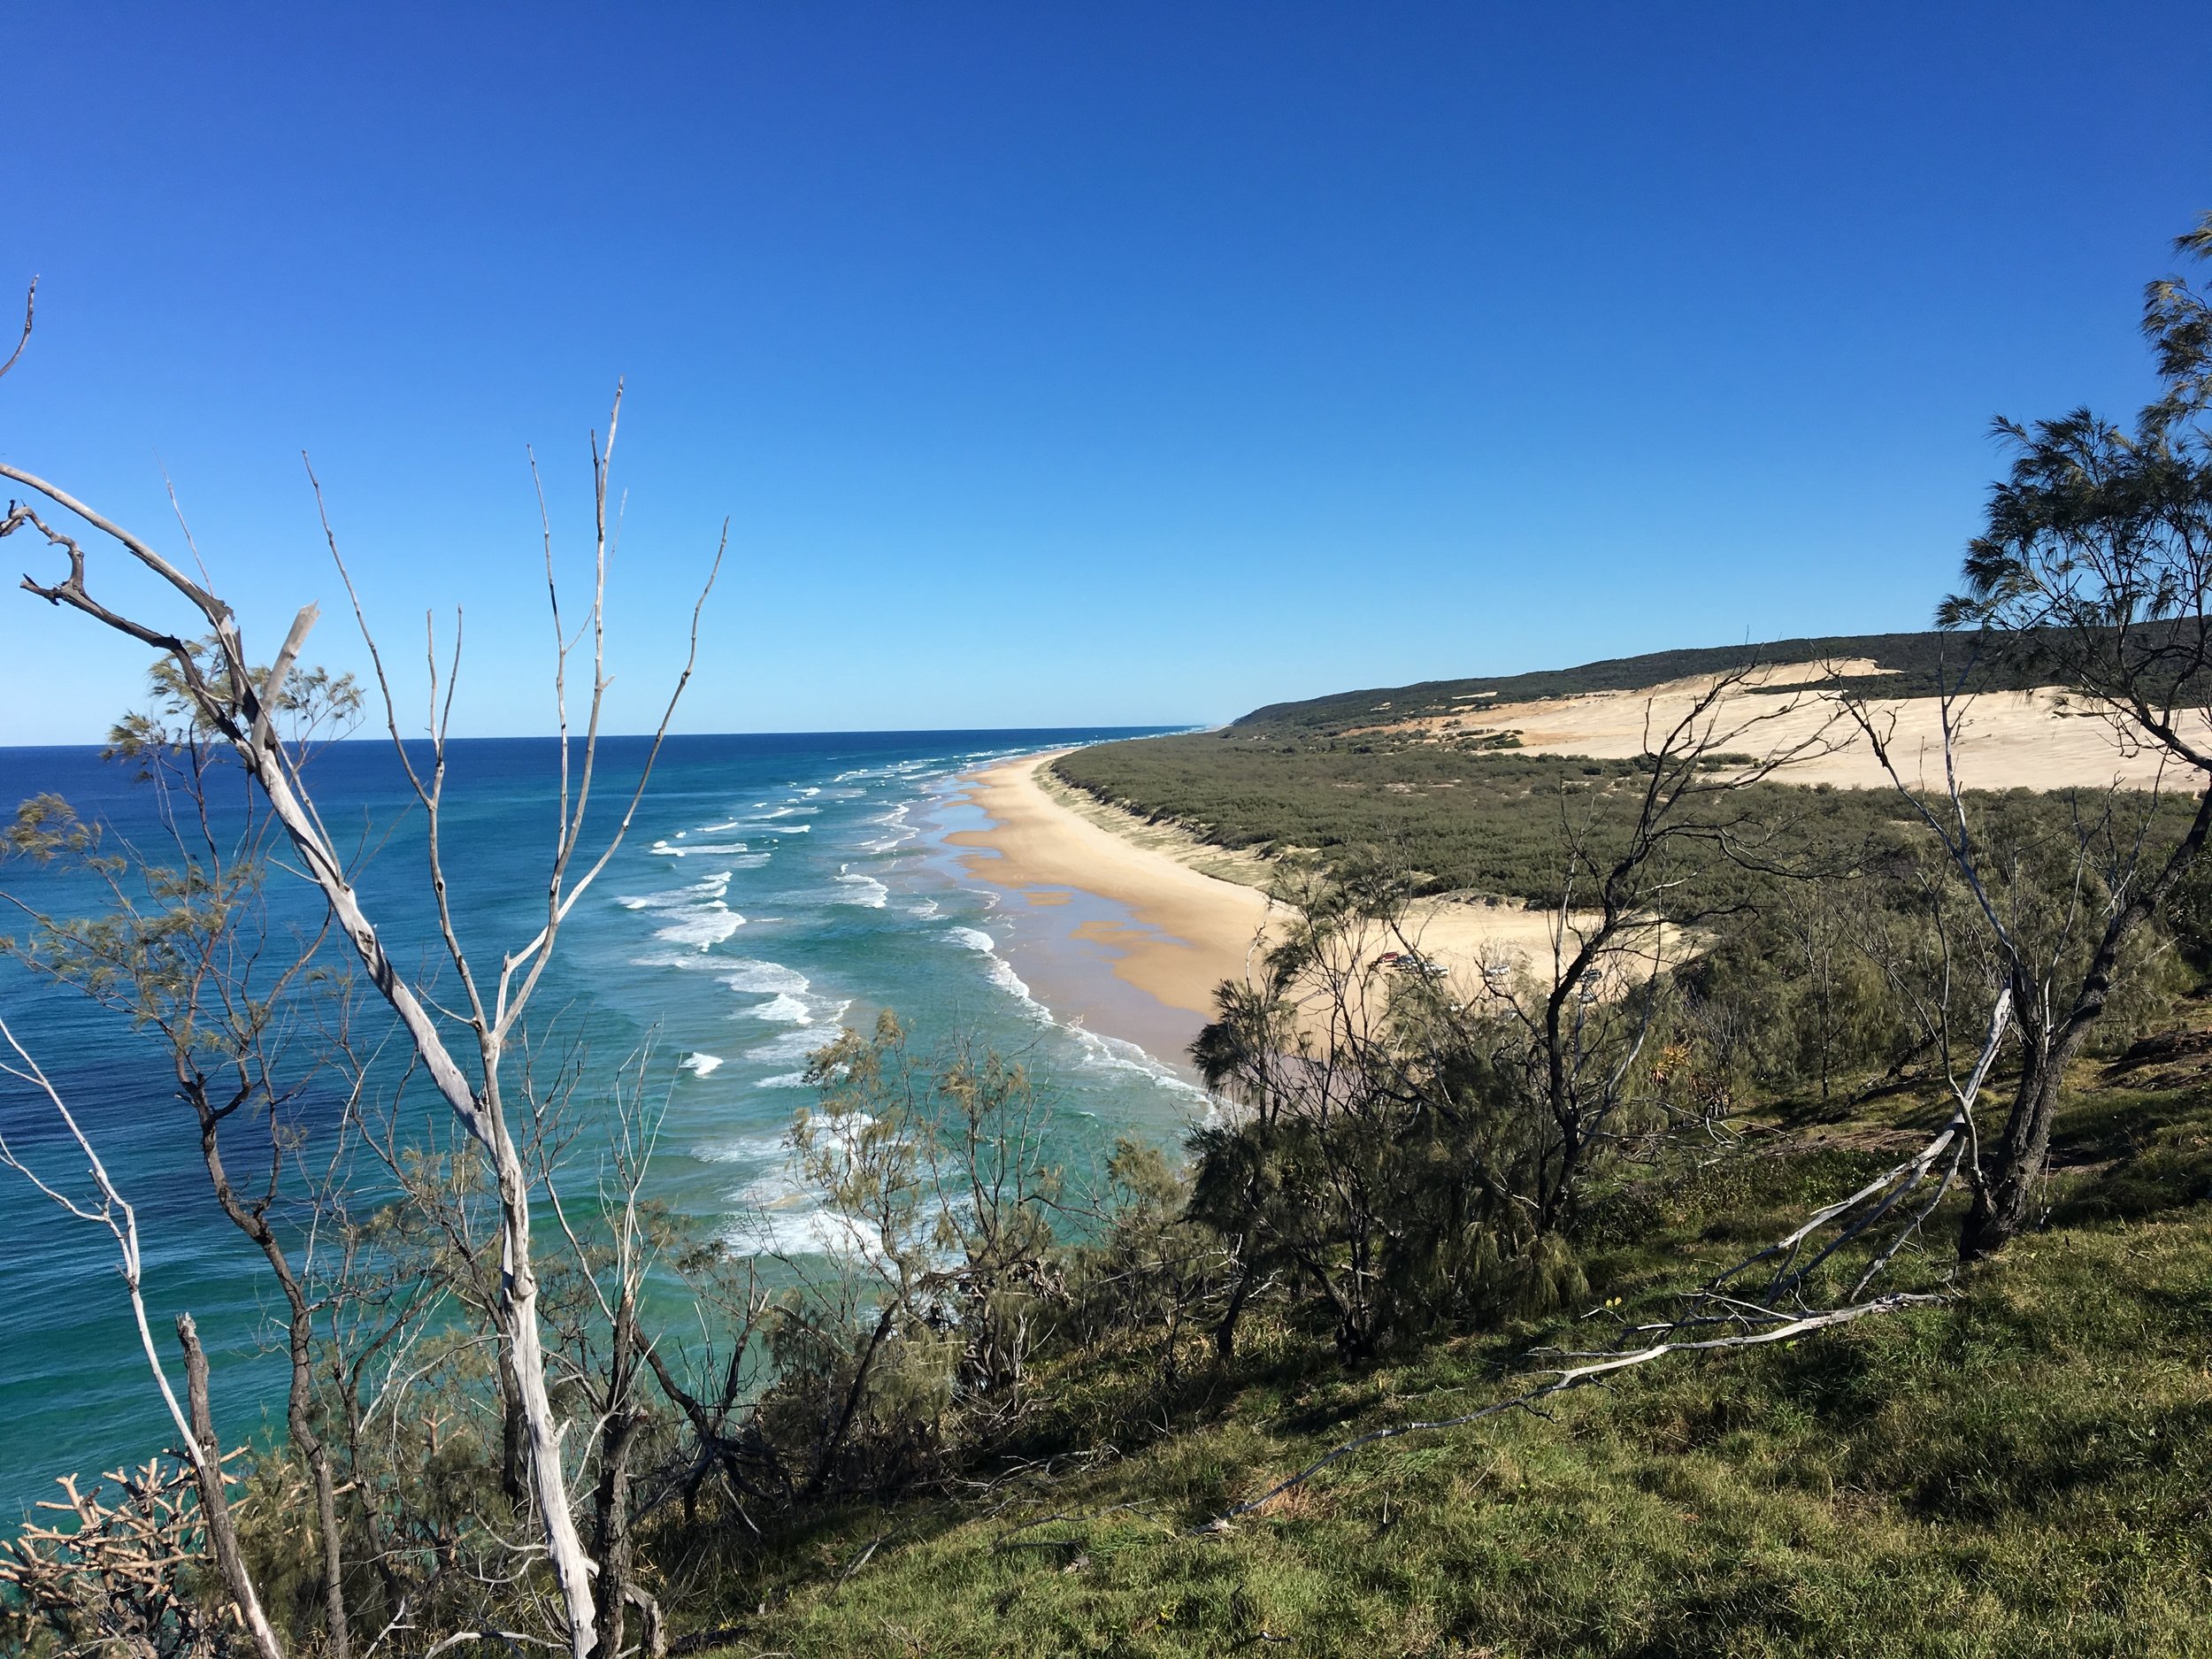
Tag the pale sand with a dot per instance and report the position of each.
(1194, 930)
(1201, 917)
(1191, 930)
(2013, 739)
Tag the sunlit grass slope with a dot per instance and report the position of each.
(2025, 1470)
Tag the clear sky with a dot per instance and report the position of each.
(1072, 363)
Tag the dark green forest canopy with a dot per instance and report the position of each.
(1912, 665)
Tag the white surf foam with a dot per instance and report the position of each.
(702, 1065)
(790, 1224)
(755, 1149)
(1003, 976)
(695, 957)
(784, 1009)
(793, 1045)
(765, 978)
(865, 890)
(1112, 1054)
(699, 892)
(1000, 971)
(709, 925)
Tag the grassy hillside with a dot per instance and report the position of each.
(1914, 666)
(2022, 1471)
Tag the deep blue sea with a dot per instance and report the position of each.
(772, 888)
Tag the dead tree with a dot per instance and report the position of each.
(119, 1572)
(1724, 1315)
(108, 1210)
(183, 947)
(613, 1257)
(1410, 1144)
(235, 704)
(1622, 913)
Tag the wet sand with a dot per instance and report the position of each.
(1185, 931)
(1168, 932)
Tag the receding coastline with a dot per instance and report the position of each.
(1198, 916)
(1193, 930)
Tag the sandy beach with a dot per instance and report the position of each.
(1189, 929)
(1179, 917)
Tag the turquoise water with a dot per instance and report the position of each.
(772, 888)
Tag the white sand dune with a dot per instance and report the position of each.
(2011, 740)
(1201, 914)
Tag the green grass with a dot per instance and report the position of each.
(2024, 1470)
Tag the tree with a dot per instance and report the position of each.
(2094, 560)
(233, 704)
(107, 1209)
(1411, 1147)
(186, 948)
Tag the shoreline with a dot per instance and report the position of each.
(1183, 930)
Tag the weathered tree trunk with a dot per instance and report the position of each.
(1226, 1333)
(548, 1482)
(222, 1533)
(2004, 1194)
(299, 1339)
(236, 705)
(2001, 1204)
(611, 1540)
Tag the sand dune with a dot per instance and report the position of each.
(2012, 739)
(1200, 914)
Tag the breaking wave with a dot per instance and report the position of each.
(865, 890)
(708, 927)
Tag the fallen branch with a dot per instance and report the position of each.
(1887, 1189)
(1575, 1378)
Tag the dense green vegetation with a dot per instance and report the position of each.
(2020, 1472)
(1492, 825)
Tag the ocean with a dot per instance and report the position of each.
(772, 888)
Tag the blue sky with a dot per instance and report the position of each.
(1062, 363)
